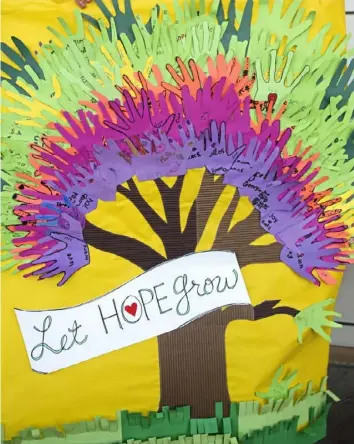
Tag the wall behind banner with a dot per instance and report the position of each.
(129, 378)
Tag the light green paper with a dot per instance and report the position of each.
(280, 389)
(308, 407)
(314, 317)
(276, 84)
(280, 24)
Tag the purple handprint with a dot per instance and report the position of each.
(84, 190)
(273, 132)
(78, 194)
(44, 225)
(220, 150)
(83, 137)
(210, 104)
(189, 139)
(111, 157)
(61, 160)
(68, 256)
(63, 223)
(252, 169)
(277, 196)
(291, 231)
(165, 157)
(240, 122)
(314, 254)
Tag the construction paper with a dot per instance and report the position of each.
(252, 415)
(173, 422)
(251, 164)
(186, 297)
(276, 84)
(243, 31)
(22, 58)
(315, 318)
(281, 23)
(69, 256)
(123, 20)
(280, 387)
(196, 145)
(169, 158)
(341, 84)
(313, 255)
(136, 225)
(82, 195)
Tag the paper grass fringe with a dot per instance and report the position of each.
(248, 423)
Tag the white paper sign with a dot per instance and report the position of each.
(161, 300)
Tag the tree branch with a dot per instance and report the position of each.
(177, 243)
(152, 218)
(241, 235)
(126, 247)
(267, 309)
(264, 310)
(237, 312)
(170, 198)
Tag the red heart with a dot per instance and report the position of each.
(131, 309)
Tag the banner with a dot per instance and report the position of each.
(161, 300)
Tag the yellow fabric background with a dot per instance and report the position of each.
(129, 378)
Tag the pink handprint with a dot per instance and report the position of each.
(210, 104)
(138, 118)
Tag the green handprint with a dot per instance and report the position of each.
(308, 51)
(189, 15)
(334, 52)
(85, 78)
(45, 93)
(70, 36)
(137, 53)
(77, 38)
(318, 126)
(314, 317)
(32, 110)
(275, 85)
(101, 39)
(14, 158)
(312, 88)
(280, 389)
(205, 43)
(149, 40)
(170, 47)
(282, 25)
(8, 260)
(260, 46)
(236, 49)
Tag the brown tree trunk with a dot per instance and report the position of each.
(192, 359)
(193, 363)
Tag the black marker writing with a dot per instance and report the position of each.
(38, 351)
